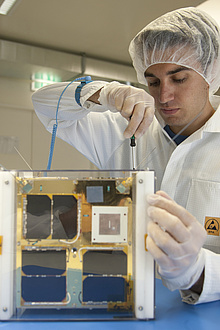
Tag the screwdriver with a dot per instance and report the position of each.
(133, 144)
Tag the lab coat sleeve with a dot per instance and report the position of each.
(92, 129)
(45, 102)
(211, 287)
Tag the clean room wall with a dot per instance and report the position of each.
(20, 127)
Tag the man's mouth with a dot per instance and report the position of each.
(169, 111)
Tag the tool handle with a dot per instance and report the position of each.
(133, 143)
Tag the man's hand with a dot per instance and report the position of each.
(132, 103)
(175, 240)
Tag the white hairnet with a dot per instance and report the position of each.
(187, 37)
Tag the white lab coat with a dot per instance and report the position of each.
(189, 172)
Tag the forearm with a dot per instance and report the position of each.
(94, 97)
(198, 286)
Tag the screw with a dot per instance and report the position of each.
(140, 308)
(140, 181)
(4, 309)
(7, 182)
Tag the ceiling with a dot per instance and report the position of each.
(101, 29)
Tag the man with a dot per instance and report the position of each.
(178, 57)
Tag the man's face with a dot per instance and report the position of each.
(180, 95)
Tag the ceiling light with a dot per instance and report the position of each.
(5, 6)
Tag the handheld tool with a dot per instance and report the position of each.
(133, 144)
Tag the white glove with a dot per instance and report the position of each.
(133, 103)
(175, 240)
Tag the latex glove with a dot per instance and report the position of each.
(175, 240)
(134, 104)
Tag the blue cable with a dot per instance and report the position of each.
(54, 132)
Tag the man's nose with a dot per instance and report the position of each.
(166, 93)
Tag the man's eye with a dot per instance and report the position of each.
(179, 81)
(153, 83)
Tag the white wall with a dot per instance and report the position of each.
(19, 125)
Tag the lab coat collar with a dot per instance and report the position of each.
(212, 125)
